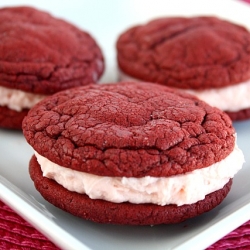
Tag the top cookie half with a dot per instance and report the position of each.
(187, 53)
(129, 129)
(43, 54)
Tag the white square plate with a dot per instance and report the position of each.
(105, 20)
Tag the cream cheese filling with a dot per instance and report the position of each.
(231, 98)
(181, 189)
(18, 100)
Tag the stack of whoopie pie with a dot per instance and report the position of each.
(41, 55)
(133, 152)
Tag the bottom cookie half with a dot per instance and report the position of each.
(11, 119)
(120, 213)
(239, 115)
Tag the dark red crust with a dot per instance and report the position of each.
(196, 53)
(51, 55)
(120, 213)
(11, 119)
(129, 129)
(239, 115)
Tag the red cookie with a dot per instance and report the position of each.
(10, 118)
(120, 213)
(41, 55)
(130, 134)
(197, 53)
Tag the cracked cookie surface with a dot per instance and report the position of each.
(43, 54)
(188, 53)
(129, 129)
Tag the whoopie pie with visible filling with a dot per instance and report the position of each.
(131, 153)
(40, 55)
(204, 55)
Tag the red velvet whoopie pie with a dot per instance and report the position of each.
(204, 55)
(41, 55)
(132, 153)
